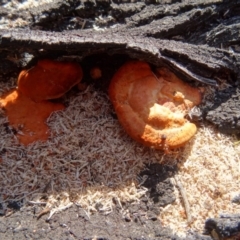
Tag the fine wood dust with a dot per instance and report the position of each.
(89, 160)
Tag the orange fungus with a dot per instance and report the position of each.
(49, 79)
(29, 117)
(27, 107)
(152, 107)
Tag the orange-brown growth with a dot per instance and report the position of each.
(27, 107)
(95, 73)
(49, 79)
(152, 108)
(28, 116)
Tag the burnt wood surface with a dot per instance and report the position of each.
(198, 40)
(203, 37)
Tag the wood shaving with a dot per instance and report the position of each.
(89, 161)
(88, 158)
(183, 197)
(210, 176)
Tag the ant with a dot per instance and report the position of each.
(164, 144)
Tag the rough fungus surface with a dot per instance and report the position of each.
(27, 117)
(49, 79)
(151, 108)
(27, 107)
(196, 40)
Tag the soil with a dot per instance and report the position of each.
(129, 221)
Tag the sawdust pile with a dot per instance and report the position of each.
(89, 160)
(210, 176)
(88, 152)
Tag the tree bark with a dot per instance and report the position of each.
(198, 40)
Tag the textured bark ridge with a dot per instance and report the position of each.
(197, 40)
(225, 111)
(224, 226)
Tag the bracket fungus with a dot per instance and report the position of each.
(151, 107)
(28, 116)
(49, 79)
(28, 108)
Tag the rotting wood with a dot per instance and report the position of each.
(43, 212)
(197, 40)
(184, 198)
(178, 56)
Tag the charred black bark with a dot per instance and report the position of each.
(198, 63)
(225, 226)
(198, 40)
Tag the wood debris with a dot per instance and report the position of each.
(89, 160)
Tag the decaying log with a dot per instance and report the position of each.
(198, 40)
(198, 63)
